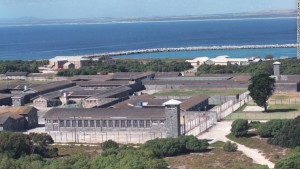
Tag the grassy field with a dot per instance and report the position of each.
(215, 159)
(272, 152)
(210, 92)
(275, 112)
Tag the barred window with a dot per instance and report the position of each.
(86, 123)
(61, 123)
(79, 123)
(110, 123)
(117, 123)
(73, 123)
(104, 123)
(142, 124)
(147, 123)
(98, 123)
(55, 121)
(128, 123)
(122, 123)
(68, 124)
(48, 121)
(135, 123)
(92, 123)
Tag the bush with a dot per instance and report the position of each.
(230, 147)
(109, 144)
(270, 128)
(291, 162)
(175, 146)
(289, 135)
(239, 128)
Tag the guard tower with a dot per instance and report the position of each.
(276, 66)
(172, 124)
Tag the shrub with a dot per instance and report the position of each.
(230, 147)
(239, 128)
(109, 144)
(270, 128)
(291, 162)
(289, 135)
(175, 146)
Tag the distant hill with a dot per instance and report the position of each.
(39, 21)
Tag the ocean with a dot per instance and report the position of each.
(44, 42)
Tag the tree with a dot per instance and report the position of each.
(230, 147)
(239, 128)
(109, 144)
(261, 88)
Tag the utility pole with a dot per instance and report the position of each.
(298, 29)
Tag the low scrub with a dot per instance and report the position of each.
(230, 147)
(270, 128)
(239, 128)
(175, 146)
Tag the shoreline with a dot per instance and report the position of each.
(196, 48)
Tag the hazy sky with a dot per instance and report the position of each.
(58, 9)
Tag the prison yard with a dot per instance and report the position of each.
(150, 114)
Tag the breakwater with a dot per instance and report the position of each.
(197, 48)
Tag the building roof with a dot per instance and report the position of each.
(167, 74)
(172, 102)
(131, 75)
(147, 100)
(97, 113)
(193, 101)
(20, 110)
(201, 59)
(111, 92)
(68, 58)
(102, 83)
(16, 73)
(52, 85)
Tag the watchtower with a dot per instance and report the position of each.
(172, 124)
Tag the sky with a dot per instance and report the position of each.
(71, 9)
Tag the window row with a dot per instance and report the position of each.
(103, 123)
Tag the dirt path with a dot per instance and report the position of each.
(219, 132)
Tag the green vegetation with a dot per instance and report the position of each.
(217, 144)
(239, 128)
(32, 151)
(209, 92)
(109, 144)
(289, 134)
(156, 65)
(270, 128)
(274, 112)
(272, 152)
(261, 89)
(292, 161)
(20, 65)
(214, 159)
(230, 147)
(170, 147)
(14, 145)
(287, 67)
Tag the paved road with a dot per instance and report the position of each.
(219, 132)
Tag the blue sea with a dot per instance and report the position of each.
(43, 42)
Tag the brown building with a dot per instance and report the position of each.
(67, 62)
(18, 118)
